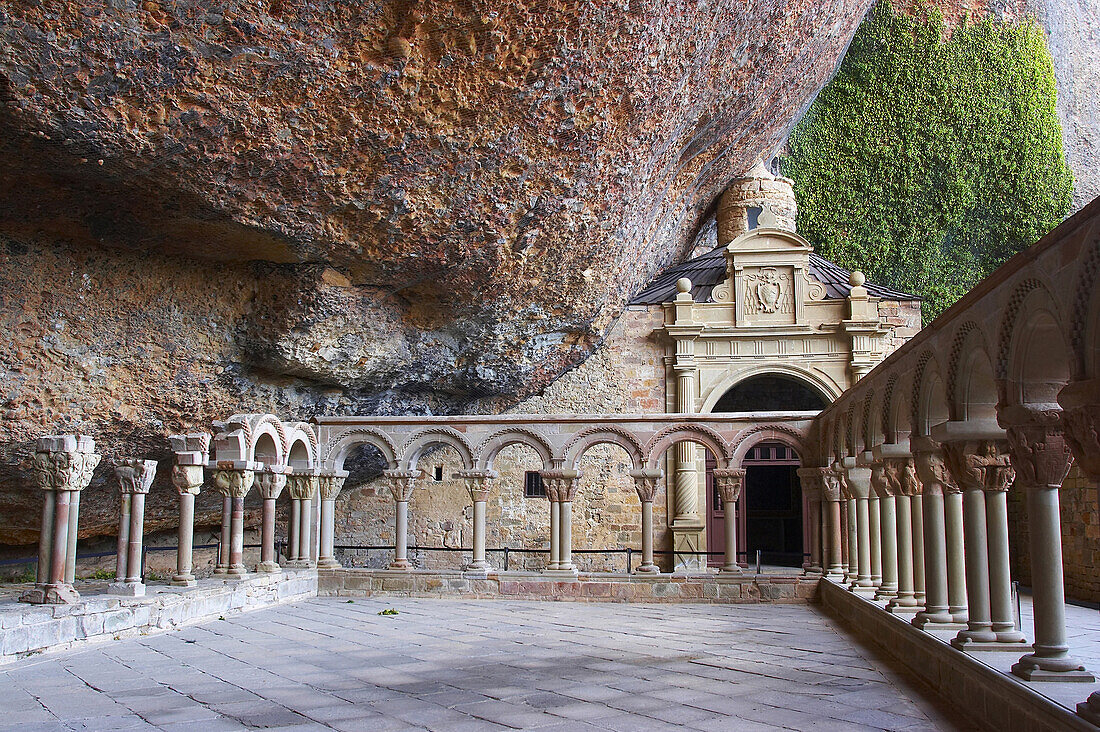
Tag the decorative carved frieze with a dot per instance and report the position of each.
(646, 483)
(135, 476)
(1040, 453)
(932, 471)
(233, 482)
(830, 485)
(901, 476)
(65, 462)
(270, 484)
(329, 485)
(979, 464)
(478, 483)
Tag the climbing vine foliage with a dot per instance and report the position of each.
(931, 158)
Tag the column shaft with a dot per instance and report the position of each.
(122, 553)
(935, 562)
(223, 548)
(1001, 616)
(816, 563)
(863, 545)
(478, 559)
(45, 539)
(955, 543)
(401, 535)
(874, 520)
(555, 535)
(136, 539)
(647, 564)
(833, 531)
(888, 526)
(293, 531)
(566, 557)
(906, 599)
(184, 552)
(853, 542)
(236, 539)
(917, 511)
(305, 534)
(60, 537)
(328, 530)
(267, 538)
(976, 556)
(730, 510)
(74, 531)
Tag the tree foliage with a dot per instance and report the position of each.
(931, 159)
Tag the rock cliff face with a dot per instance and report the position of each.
(300, 207)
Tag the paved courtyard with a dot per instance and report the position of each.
(329, 663)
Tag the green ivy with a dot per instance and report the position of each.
(931, 159)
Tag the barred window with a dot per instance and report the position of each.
(532, 485)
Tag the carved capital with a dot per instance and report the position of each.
(1080, 401)
(842, 481)
(402, 483)
(233, 482)
(187, 479)
(979, 464)
(478, 483)
(561, 485)
(302, 486)
(810, 479)
(65, 462)
(135, 476)
(190, 449)
(729, 481)
(329, 485)
(270, 484)
(646, 483)
(901, 476)
(830, 485)
(879, 484)
(933, 473)
(1036, 441)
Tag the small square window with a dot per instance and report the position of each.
(437, 474)
(532, 485)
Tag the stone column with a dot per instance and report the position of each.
(687, 525)
(934, 480)
(1042, 460)
(888, 532)
(999, 475)
(63, 465)
(810, 478)
(830, 495)
(563, 484)
(901, 475)
(874, 517)
(859, 487)
(235, 482)
(222, 564)
(270, 483)
(1080, 402)
(964, 461)
(298, 486)
(192, 451)
(917, 505)
(729, 482)
(957, 603)
(329, 486)
(645, 484)
(401, 487)
(554, 561)
(478, 484)
(851, 574)
(134, 479)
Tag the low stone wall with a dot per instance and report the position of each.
(989, 698)
(27, 629)
(597, 587)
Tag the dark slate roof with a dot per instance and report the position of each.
(708, 271)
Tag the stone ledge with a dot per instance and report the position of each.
(594, 587)
(991, 699)
(29, 629)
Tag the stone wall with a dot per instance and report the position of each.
(625, 375)
(1080, 537)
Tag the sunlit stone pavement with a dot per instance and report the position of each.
(328, 663)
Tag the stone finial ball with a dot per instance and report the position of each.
(856, 279)
(683, 285)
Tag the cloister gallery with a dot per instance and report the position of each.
(766, 403)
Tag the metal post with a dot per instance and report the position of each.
(758, 561)
(1016, 598)
(629, 558)
(505, 559)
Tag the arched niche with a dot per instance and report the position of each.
(771, 392)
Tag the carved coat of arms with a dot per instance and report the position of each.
(767, 291)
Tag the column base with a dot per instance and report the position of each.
(268, 568)
(183, 580)
(1030, 673)
(813, 571)
(1010, 636)
(886, 594)
(898, 609)
(51, 595)
(400, 565)
(865, 592)
(126, 589)
(730, 569)
(297, 564)
(328, 563)
(647, 569)
(937, 621)
(970, 645)
(560, 572)
(236, 573)
(1090, 708)
(477, 572)
(221, 570)
(835, 576)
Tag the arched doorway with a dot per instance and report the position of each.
(770, 509)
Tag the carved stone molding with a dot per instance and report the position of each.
(301, 486)
(979, 464)
(879, 483)
(729, 482)
(932, 471)
(329, 485)
(830, 485)
(901, 476)
(135, 476)
(1080, 401)
(810, 479)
